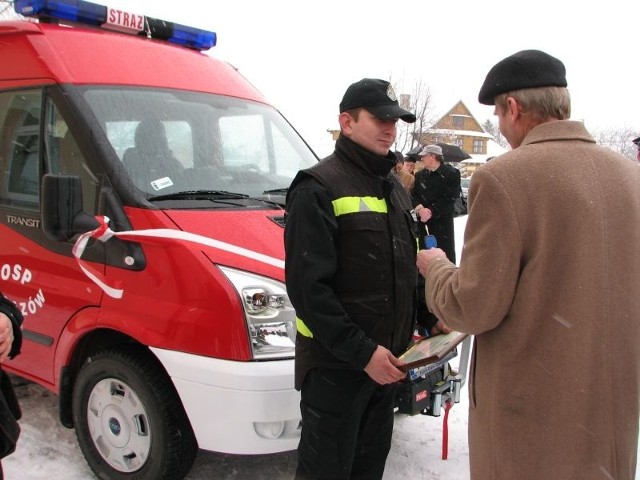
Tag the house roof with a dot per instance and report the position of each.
(466, 133)
(459, 110)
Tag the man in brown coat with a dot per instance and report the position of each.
(549, 284)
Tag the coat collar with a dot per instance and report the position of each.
(364, 159)
(558, 130)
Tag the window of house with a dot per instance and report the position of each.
(458, 123)
(478, 146)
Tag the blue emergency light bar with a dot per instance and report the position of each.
(87, 13)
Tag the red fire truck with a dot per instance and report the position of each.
(141, 191)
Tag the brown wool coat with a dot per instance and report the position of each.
(549, 284)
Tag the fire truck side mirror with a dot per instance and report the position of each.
(62, 214)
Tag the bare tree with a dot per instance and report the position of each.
(493, 130)
(617, 139)
(419, 101)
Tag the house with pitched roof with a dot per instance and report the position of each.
(459, 127)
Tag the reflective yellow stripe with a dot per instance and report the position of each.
(303, 329)
(346, 205)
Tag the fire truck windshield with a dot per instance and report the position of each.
(171, 141)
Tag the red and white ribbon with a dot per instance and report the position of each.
(103, 233)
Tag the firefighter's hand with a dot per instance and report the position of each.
(6, 336)
(426, 257)
(382, 368)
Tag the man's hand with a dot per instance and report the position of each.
(6, 336)
(424, 213)
(439, 328)
(382, 368)
(425, 257)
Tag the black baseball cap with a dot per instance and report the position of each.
(524, 69)
(376, 96)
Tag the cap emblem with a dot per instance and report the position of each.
(391, 93)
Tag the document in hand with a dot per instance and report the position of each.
(430, 350)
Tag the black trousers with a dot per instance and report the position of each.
(347, 422)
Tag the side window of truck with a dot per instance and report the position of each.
(20, 117)
(64, 156)
(19, 148)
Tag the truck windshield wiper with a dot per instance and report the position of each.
(201, 194)
(277, 191)
(213, 195)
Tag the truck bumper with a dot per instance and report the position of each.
(237, 407)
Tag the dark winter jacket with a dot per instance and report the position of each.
(438, 191)
(350, 260)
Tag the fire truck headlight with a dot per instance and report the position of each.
(271, 319)
(259, 300)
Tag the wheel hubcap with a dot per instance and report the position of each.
(119, 425)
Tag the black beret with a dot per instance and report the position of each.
(525, 69)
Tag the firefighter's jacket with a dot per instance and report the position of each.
(350, 260)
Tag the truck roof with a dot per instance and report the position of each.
(49, 53)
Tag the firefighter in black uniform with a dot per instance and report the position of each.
(350, 246)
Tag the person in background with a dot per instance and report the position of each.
(350, 250)
(434, 193)
(10, 335)
(406, 179)
(410, 166)
(636, 142)
(548, 283)
(411, 160)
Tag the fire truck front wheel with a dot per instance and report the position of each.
(129, 421)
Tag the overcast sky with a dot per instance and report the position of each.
(303, 55)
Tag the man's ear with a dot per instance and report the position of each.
(346, 122)
(514, 109)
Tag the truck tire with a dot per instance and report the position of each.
(129, 420)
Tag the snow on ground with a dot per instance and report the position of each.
(47, 450)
